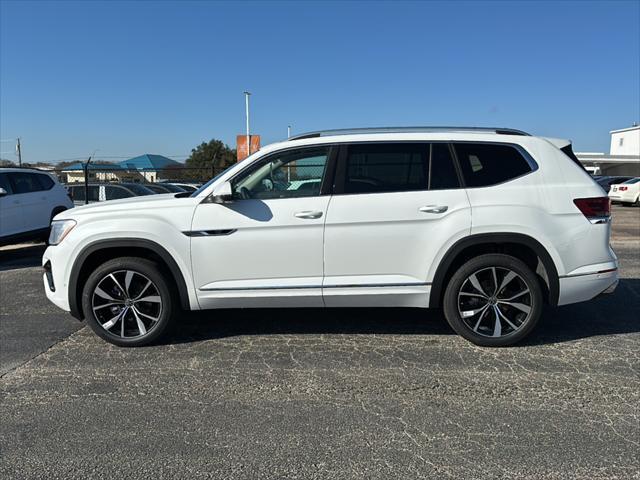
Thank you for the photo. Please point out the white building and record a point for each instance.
(625, 141)
(623, 157)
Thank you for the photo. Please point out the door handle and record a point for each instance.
(434, 208)
(308, 214)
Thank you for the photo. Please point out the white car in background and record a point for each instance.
(29, 199)
(627, 193)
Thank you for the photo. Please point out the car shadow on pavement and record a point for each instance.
(23, 257)
(609, 315)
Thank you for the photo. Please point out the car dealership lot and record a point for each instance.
(373, 393)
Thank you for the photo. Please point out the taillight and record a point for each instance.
(622, 189)
(596, 209)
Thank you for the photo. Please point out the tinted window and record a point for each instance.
(389, 167)
(77, 193)
(4, 182)
(46, 182)
(485, 164)
(114, 193)
(287, 174)
(442, 170)
(139, 189)
(25, 182)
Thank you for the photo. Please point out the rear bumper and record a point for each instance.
(583, 287)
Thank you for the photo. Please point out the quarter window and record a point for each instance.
(45, 181)
(486, 164)
(288, 174)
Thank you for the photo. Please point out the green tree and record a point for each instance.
(213, 154)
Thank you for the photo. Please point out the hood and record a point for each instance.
(163, 200)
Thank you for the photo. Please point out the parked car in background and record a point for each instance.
(606, 181)
(627, 193)
(100, 192)
(384, 220)
(164, 188)
(187, 187)
(29, 199)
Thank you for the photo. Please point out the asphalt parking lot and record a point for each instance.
(367, 393)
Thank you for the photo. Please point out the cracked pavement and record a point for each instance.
(345, 393)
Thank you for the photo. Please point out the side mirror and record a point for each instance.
(3, 192)
(222, 194)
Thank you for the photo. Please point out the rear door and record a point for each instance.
(395, 206)
(32, 200)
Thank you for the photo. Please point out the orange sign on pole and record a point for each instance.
(241, 148)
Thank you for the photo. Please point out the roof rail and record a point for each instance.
(354, 131)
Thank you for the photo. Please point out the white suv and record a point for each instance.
(489, 224)
(29, 199)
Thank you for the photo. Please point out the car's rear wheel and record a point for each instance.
(493, 300)
(127, 301)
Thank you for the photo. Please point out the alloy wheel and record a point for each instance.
(126, 304)
(494, 302)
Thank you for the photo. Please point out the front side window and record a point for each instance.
(386, 167)
(25, 182)
(288, 174)
(485, 164)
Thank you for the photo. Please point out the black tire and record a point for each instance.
(143, 271)
(637, 202)
(461, 293)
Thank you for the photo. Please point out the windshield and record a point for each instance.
(633, 180)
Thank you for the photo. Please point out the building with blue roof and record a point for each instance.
(145, 167)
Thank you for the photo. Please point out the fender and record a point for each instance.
(74, 304)
(438, 285)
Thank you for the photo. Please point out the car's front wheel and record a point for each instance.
(127, 301)
(493, 300)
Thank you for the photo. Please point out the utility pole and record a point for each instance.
(19, 152)
(86, 180)
(246, 101)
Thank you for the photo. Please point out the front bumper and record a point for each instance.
(55, 285)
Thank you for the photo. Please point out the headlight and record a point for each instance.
(59, 230)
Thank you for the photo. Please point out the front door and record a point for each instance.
(265, 248)
(394, 208)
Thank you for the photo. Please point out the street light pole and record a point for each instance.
(246, 101)
(19, 152)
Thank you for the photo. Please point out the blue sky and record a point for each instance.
(128, 78)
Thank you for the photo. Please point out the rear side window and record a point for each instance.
(25, 182)
(389, 167)
(442, 170)
(46, 182)
(485, 164)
